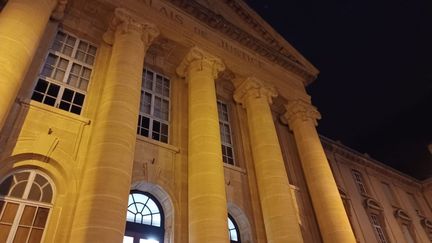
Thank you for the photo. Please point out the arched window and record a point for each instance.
(144, 219)
(25, 202)
(233, 231)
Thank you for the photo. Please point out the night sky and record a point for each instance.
(374, 89)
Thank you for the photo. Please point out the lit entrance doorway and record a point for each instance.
(144, 219)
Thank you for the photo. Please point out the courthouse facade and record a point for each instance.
(177, 121)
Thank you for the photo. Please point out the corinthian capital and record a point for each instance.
(58, 11)
(124, 22)
(199, 60)
(253, 88)
(300, 111)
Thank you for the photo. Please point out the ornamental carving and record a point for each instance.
(199, 59)
(273, 52)
(58, 11)
(123, 22)
(299, 110)
(253, 88)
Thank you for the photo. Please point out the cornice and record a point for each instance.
(367, 162)
(218, 23)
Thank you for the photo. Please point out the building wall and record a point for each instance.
(56, 142)
(394, 212)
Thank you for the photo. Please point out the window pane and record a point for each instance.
(156, 221)
(18, 189)
(35, 193)
(147, 219)
(28, 215)
(21, 235)
(41, 217)
(79, 99)
(9, 213)
(64, 106)
(35, 236)
(130, 216)
(41, 86)
(128, 239)
(47, 194)
(4, 232)
(53, 90)
(67, 95)
(148, 241)
(5, 186)
(152, 206)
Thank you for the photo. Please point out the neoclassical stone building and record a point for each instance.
(177, 121)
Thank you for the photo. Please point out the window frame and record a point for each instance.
(228, 123)
(236, 228)
(378, 227)
(24, 201)
(151, 117)
(63, 84)
(360, 183)
(144, 230)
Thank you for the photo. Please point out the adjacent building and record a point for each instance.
(143, 121)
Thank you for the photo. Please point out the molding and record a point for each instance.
(299, 110)
(125, 22)
(253, 88)
(366, 162)
(197, 56)
(220, 24)
(59, 10)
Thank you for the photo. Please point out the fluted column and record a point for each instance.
(332, 218)
(102, 202)
(22, 24)
(280, 218)
(206, 186)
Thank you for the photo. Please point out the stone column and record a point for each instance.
(206, 185)
(102, 202)
(22, 24)
(280, 218)
(332, 218)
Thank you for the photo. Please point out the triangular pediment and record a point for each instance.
(235, 19)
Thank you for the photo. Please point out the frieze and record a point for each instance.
(222, 25)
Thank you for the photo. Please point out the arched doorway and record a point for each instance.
(233, 230)
(144, 219)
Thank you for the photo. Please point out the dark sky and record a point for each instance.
(374, 89)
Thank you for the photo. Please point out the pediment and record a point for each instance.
(236, 20)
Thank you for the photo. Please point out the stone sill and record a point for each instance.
(159, 144)
(53, 110)
(235, 168)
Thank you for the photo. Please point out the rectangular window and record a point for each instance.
(153, 120)
(65, 76)
(376, 224)
(414, 203)
(389, 194)
(358, 178)
(225, 134)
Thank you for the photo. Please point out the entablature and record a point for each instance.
(178, 24)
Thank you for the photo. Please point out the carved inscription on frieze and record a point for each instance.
(175, 16)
